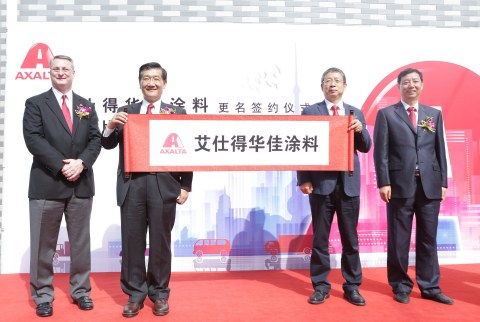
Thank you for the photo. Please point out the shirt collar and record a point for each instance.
(406, 106)
(59, 95)
(330, 104)
(157, 104)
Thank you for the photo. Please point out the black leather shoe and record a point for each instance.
(402, 297)
(160, 307)
(439, 297)
(354, 297)
(84, 303)
(44, 309)
(318, 297)
(131, 309)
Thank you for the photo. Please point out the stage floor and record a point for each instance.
(254, 296)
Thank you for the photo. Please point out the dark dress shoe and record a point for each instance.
(439, 297)
(160, 307)
(44, 309)
(84, 303)
(131, 309)
(402, 297)
(354, 297)
(318, 297)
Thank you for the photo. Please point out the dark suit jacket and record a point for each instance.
(324, 181)
(49, 140)
(398, 148)
(169, 183)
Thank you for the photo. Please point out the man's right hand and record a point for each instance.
(386, 193)
(119, 118)
(306, 188)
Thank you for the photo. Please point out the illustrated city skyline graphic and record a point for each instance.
(241, 238)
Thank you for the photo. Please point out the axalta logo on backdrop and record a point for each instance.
(36, 65)
(173, 145)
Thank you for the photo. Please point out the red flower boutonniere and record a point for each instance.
(83, 111)
(428, 124)
(167, 110)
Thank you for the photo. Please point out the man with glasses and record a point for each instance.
(147, 203)
(337, 192)
(60, 129)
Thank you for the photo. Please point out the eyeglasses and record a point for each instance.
(57, 70)
(330, 81)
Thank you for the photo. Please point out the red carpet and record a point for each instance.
(253, 296)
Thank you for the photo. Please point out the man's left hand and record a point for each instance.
(183, 197)
(356, 126)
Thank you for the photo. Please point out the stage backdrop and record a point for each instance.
(243, 220)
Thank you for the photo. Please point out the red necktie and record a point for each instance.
(150, 108)
(334, 108)
(66, 112)
(413, 118)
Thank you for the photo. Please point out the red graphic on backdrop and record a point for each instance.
(36, 64)
(454, 90)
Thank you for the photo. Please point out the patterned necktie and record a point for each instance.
(413, 118)
(66, 112)
(150, 108)
(334, 108)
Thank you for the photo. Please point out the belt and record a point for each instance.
(417, 173)
(141, 174)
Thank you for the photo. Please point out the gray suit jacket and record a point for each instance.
(169, 183)
(324, 181)
(49, 140)
(399, 148)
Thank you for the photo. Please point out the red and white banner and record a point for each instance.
(221, 143)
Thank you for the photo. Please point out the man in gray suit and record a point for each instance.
(411, 167)
(147, 202)
(337, 192)
(64, 149)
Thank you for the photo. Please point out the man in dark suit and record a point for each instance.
(147, 202)
(61, 182)
(333, 192)
(411, 168)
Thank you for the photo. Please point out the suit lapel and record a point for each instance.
(422, 114)
(400, 111)
(347, 109)
(322, 108)
(52, 103)
(135, 109)
(75, 103)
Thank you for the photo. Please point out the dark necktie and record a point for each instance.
(66, 112)
(150, 107)
(334, 108)
(413, 118)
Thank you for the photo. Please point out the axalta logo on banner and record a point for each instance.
(173, 145)
(36, 65)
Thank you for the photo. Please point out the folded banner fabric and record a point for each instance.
(170, 142)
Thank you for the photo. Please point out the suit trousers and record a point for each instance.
(45, 220)
(400, 213)
(144, 210)
(323, 208)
